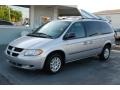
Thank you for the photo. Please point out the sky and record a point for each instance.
(88, 5)
(99, 5)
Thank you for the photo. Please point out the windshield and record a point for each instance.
(52, 29)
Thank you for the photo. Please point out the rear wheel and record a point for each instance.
(105, 53)
(54, 63)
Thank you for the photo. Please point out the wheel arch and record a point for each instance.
(108, 44)
(60, 52)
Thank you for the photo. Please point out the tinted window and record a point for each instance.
(5, 23)
(94, 28)
(105, 28)
(78, 29)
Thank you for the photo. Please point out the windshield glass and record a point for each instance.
(52, 29)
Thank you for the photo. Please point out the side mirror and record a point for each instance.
(69, 36)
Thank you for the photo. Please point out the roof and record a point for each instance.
(64, 10)
(4, 22)
(116, 11)
(48, 6)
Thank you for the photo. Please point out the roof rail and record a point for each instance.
(87, 15)
(99, 19)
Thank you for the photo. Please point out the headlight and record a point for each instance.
(33, 52)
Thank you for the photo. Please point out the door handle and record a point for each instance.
(88, 42)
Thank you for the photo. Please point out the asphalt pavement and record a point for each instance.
(85, 72)
(3, 79)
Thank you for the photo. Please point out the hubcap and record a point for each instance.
(55, 64)
(106, 53)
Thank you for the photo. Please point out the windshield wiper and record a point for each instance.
(45, 35)
(34, 35)
(40, 35)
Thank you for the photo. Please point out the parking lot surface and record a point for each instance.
(85, 72)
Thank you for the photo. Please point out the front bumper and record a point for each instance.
(32, 63)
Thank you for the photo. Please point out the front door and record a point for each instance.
(76, 47)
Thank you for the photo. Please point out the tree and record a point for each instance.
(16, 15)
(8, 14)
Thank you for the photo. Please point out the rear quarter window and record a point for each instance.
(105, 28)
(94, 28)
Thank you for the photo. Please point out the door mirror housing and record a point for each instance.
(69, 36)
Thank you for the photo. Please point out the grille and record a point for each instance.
(8, 52)
(14, 51)
(18, 49)
(10, 47)
(15, 54)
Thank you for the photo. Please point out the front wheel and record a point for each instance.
(54, 63)
(105, 53)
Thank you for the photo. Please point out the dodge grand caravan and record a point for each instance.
(59, 42)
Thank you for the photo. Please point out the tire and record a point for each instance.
(53, 64)
(105, 54)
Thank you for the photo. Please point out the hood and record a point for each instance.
(29, 42)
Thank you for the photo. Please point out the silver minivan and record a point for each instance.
(61, 41)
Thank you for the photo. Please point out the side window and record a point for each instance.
(105, 28)
(92, 28)
(77, 29)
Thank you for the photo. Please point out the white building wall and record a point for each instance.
(31, 12)
(39, 12)
(115, 19)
